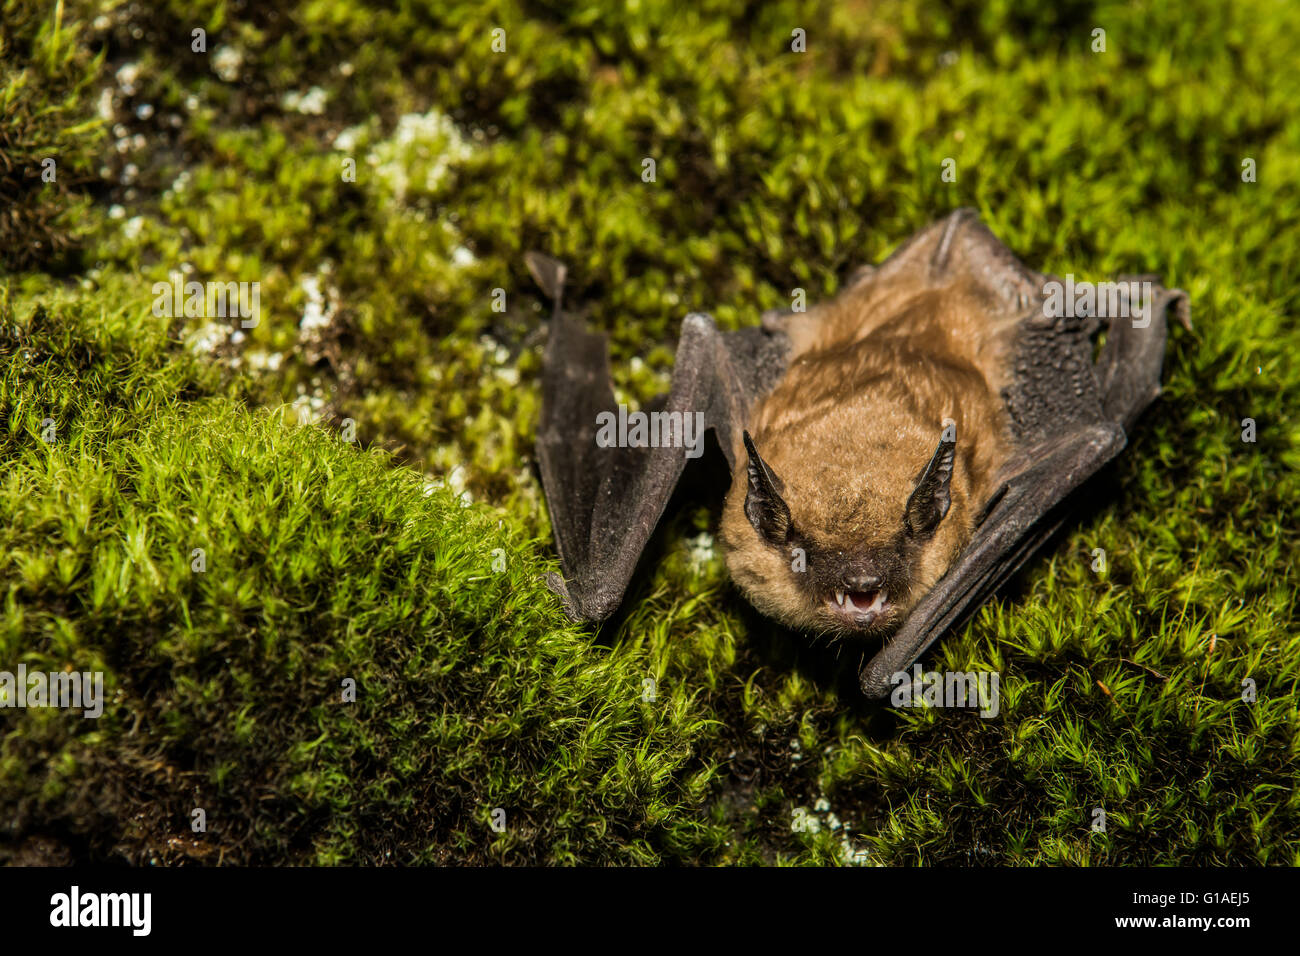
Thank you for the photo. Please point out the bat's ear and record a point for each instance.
(764, 506)
(930, 500)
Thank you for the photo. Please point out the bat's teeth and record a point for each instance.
(839, 597)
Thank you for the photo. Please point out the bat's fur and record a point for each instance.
(847, 432)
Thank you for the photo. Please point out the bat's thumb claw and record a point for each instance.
(1180, 303)
(698, 322)
(547, 272)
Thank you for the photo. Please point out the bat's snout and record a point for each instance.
(862, 582)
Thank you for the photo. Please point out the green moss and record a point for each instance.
(774, 170)
(48, 144)
(229, 570)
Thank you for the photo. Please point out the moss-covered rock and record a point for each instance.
(379, 172)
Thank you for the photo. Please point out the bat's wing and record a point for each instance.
(605, 502)
(1069, 417)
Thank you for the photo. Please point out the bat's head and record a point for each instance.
(839, 559)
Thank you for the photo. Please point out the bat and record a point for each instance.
(896, 453)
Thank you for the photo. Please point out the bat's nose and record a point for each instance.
(862, 582)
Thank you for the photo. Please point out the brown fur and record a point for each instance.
(852, 424)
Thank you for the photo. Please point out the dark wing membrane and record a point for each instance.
(605, 502)
(1069, 417)
(1025, 516)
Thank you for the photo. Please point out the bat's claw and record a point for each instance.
(548, 273)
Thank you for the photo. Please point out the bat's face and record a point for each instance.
(845, 563)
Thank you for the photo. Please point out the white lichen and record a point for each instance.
(207, 338)
(126, 76)
(420, 153)
(107, 111)
(227, 61)
(321, 307)
(702, 550)
(260, 361)
(455, 481)
(346, 141)
(311, 103)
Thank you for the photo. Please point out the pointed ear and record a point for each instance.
(764, 506)
(930, 500)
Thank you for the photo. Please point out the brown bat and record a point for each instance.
(907, 445)
(865, 490)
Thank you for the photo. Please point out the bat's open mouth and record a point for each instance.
(859, 608)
